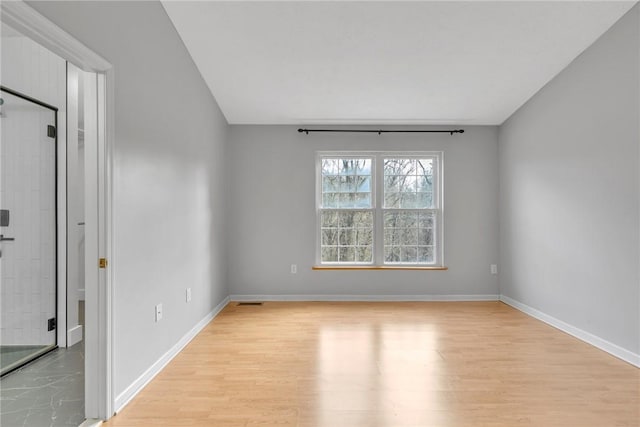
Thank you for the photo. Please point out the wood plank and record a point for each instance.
(330, 364)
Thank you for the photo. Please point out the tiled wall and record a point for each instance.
(27, 266)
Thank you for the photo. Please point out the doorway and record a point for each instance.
(28, 240)
(98, 136)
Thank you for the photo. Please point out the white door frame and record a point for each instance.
(99, 391)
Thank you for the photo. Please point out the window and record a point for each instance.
(380, 209)
(346, 217)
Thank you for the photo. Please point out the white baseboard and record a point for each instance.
(74, 335)
(130, 392)
(363, 298)
(602, 344)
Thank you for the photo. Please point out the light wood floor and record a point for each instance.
(387, 364)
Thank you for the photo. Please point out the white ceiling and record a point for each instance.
(384, 62)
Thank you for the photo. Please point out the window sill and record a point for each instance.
(374, 267)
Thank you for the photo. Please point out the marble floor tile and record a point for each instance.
(46, 392)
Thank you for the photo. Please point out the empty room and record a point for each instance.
(320, 213)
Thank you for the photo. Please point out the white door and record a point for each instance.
(28, 229)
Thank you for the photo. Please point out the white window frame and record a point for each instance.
(377, 201)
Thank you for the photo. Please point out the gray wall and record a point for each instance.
(569, 192)
(168, 177)
(271, 202)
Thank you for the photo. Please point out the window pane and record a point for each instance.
(362, 200)
(351, 219)
(391, 254)
(329, 219)
(426, 219)
(407, 183)
(364, 254)
(354, 166)
(391, 237)
(363, 184)
(364, 236)
(408, 254)
(391, 183)
(425, 236)
(347, 166)
(347, 254)
(408, 237)
(392, 200)
(329, 237)
(347, 200)
(347, 236)
(365, 167)
(424, 167)
(346, 183)
(409, 201)
(399, 166)
(425, 254)
(413, 179)
(329, 254)
(329, 167)
(425, 199)
(330, 184)
(400, 219)
(425, 183)
(330, 200)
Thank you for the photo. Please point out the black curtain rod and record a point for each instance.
(381, 131)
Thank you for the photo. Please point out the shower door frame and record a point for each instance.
(28, 98)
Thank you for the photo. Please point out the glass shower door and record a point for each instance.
(27, 229)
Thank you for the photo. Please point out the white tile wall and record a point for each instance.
(33, 70)
(27, 188)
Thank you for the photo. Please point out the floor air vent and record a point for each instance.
(249, 303)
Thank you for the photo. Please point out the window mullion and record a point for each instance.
(378, 244)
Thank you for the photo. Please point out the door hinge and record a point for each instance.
(51, 324)
(51, 131)
(102, 263)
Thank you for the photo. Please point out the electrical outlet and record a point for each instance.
(294, 268)
(158, 312)
(494, 269)
(188, 294)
